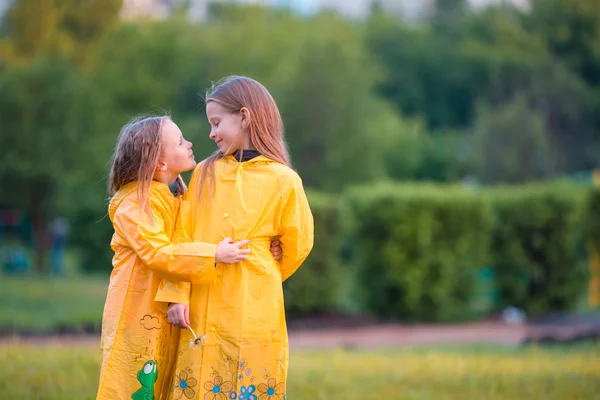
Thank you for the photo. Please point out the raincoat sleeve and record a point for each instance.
(173, 292)
(179, 292)
(193, 262)
(297, 229)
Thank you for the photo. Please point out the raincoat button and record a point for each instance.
(212, 329)
(225, 215)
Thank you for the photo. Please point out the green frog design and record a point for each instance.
(147, 376)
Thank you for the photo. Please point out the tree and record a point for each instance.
(67, 27)
(426, 74)
(49, 114)
(507, 61)
(571, 30)
(336, 127)
(512, 144)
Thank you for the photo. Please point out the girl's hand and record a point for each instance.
(229, 252)
(276, 249)
(179, 315)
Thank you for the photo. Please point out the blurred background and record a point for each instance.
(449, 149)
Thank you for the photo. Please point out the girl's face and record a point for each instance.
(226, 128)
(177, 154)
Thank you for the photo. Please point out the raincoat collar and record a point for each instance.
(257, 159)
(232, 167)
(246, 155)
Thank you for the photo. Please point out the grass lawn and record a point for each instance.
(68, 371)
(51, 304)
(65, 371)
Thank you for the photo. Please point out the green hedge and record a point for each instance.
(418, 248)
(316, 286)
(592, 231)
(592, 220)
(416, 252)
(537, 245)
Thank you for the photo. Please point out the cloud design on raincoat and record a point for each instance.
(149, 322)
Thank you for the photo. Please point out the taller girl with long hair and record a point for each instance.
(247, 189)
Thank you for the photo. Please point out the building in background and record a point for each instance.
(478, 4)
(133, 9)
(355, 9)
(4, 6)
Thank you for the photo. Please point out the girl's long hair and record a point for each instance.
(265, 127)
(138, 150)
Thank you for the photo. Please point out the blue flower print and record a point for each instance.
(247, 393)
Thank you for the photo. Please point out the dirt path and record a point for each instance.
(404, 336)
(390, 335)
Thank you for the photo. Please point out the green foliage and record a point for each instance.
(316, 286)
(511, 143)
(570, 30)
(444, 157)
(592, 223)
(69, 28)
(501, 95)
(418, 248)
(537, 244)
(51, 119)
(425, 75)
(46, 111)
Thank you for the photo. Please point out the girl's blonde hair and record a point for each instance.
(138, 149)
(265, 127)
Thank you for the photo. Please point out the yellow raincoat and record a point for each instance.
(240, 315)
(138, 344)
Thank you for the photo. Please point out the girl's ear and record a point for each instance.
(245, 113)
(161, 166)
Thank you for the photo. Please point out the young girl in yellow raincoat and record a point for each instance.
(247, 189)
(138, 343)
